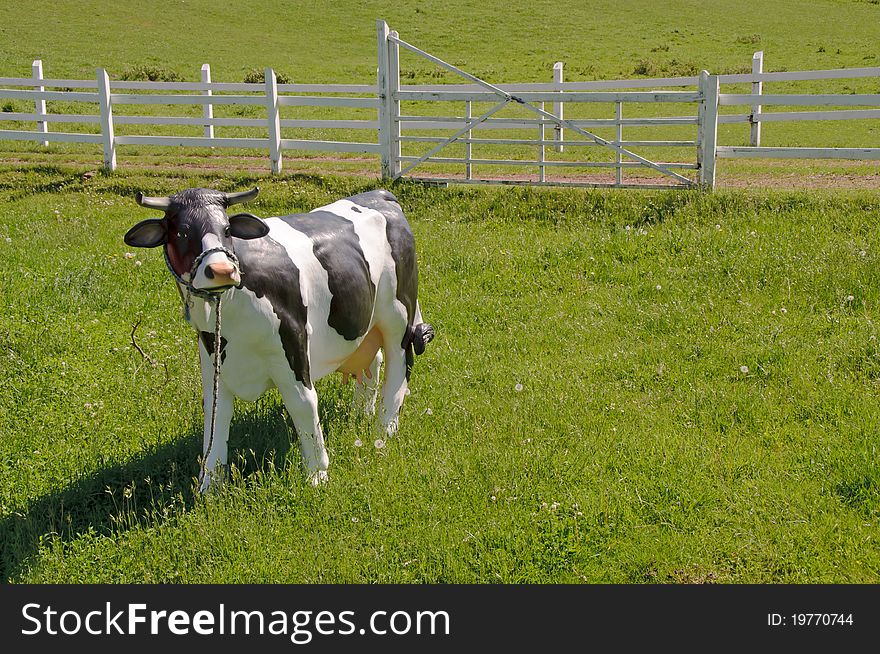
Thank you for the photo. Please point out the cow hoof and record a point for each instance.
(318, 477)
(391, 427)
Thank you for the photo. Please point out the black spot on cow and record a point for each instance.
(208, 342)
(268, 271)
(337, 247)
(403, 250)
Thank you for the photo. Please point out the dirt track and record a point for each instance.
(837, 178)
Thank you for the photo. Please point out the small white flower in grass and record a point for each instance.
(659, 287)
(850, 298)
(429, 412)
(744, 370)
(518, 388)
(783, 310)
(354, 519)
(8, 240)
(717, 226)
(862, 253)
(358, 442)
(379, 444)
(129, 255)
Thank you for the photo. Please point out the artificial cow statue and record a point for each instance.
(302, 296)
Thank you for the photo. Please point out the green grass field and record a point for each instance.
(625, 387)
(509, 41)
(501, 42)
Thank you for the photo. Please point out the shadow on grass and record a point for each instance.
(145, 490)
(47, 179)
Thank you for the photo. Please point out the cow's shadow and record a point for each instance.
(148, 488)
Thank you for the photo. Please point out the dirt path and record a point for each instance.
(367, 167)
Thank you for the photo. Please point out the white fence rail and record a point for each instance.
(400, 139)
(108, 94)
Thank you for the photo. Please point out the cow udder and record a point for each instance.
(358, 364)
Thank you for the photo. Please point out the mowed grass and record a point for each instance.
(625, 387)
(502, 41)
(506, 42)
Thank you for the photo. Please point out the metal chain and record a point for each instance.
(213, 297)
(216, 300)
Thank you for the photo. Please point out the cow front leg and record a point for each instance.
(214, 452)
(366, 390)
(302, 406)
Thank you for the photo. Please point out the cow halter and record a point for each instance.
(205, 294)
(214, 298)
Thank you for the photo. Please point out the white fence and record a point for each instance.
(407, 141)
(104, 94)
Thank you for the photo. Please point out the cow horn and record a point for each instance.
(243, 196)
(152, 203)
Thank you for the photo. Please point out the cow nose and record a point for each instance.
(221, 269)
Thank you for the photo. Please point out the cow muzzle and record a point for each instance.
(215, 270)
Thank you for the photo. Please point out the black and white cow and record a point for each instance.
(302, 296)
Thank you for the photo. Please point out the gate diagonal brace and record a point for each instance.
(454, 138)
(508, 98)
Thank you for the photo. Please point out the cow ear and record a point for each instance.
(247, 226)
(147, 234)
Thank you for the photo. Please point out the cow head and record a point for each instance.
(195, 226)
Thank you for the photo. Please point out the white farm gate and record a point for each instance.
(559, 133)
(531, 100)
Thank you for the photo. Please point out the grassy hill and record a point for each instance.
(505, 41)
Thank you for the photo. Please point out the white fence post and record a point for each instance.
(274, 119)
(394, 104)
(42, 125)
(208, 111)
(469, 147)
(707, 136)
(557, 106)
(542, 135)
(106, 120)
(385, 100)
(757, 89)
(618, 116)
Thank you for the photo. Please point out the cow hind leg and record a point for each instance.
(399, 359)
(302, 406)
(394, 388)
(366, 391)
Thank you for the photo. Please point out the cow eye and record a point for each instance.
(226, 231)
(182, 235)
